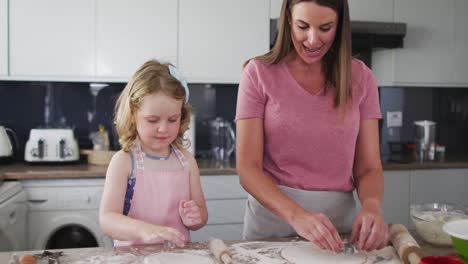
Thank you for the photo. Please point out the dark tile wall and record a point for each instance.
(448, 107)
(210, 101)
(451, 115)
(24, 105)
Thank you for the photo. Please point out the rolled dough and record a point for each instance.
(306, 252)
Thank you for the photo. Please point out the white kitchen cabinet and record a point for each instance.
(461, 42)
(225, 199)
(224, 232)
(395, 205)
(217, 36)
(443, 186)
(226, 211)
(362, 10)
(427, 58)
(130, 32)
(51, 38)
(3, 37)
(371, 10)
(275, 8)
(427, 55)
(216, 187)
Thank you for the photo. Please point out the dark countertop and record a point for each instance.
(83, 253)
(23, 170)
(451, 162)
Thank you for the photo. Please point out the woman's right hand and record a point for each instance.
(155, 234)
(316, 228)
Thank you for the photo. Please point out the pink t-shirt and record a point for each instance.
(307, 145)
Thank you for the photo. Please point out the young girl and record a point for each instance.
(152, 191)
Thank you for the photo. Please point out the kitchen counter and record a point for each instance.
(23, 170)
(128, 252)
(451, 162)
(207, 167)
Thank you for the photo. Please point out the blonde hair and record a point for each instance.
(150, 78)
(337, 61)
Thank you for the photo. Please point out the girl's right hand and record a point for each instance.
(155, 234)
(318, 229)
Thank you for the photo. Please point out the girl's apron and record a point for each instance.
(339, 207)
(153, 196)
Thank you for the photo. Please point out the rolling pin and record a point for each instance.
(220, 251)
(407, 248)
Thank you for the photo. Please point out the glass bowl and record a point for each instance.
(428, 219)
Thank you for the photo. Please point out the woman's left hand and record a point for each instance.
(369, 230)
(190, 213)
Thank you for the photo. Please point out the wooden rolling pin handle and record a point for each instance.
(226, 258)
(407, 248)
(220, 251)
(414, 258)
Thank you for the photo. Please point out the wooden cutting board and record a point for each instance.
(98, 157)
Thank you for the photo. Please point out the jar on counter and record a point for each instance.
(431, 152)
(440, 153)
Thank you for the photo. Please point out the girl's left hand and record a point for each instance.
(190, 213)
(369, 229)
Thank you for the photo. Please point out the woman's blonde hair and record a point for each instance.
(337, 61)
(150, 78)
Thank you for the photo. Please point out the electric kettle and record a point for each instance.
(6, 148)
(222, 138)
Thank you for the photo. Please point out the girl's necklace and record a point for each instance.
(156, 157)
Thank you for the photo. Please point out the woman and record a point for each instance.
(307, 133)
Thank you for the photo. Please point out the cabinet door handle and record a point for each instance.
(36, 201)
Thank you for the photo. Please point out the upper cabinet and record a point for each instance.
(461, 42)
(434, 52)
(371, 10)
(275, 8)
(107, 40)
(3, 37)
(51, 38)
(427, 55)
(362, 10)
(130, 32)
(217, 36)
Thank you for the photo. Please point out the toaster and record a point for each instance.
(51, 145)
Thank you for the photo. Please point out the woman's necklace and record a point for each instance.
(156, 157)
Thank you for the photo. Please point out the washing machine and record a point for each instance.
(63, 213)
(13, 215)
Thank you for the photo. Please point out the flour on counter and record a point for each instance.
(105, 258)
(257, 252)
(305, 252)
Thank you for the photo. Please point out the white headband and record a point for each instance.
(178, 75)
